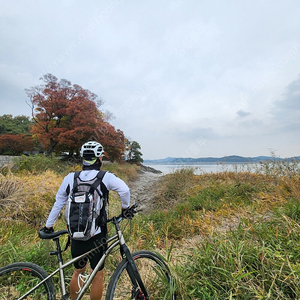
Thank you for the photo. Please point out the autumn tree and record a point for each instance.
(15, 144)
(112, 140)
(64, 115)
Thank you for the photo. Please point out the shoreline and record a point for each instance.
(142, 190)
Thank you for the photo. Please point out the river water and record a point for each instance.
(204, 168)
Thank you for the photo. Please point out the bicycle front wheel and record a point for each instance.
(154, 273)
(18, 278)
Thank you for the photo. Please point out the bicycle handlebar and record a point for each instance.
(131, 212)
(47, 236)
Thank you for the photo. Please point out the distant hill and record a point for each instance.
(225, 159)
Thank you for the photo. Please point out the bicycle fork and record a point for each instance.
(138, 287)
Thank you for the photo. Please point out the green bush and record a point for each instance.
(40, 163)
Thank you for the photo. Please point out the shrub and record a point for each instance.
(40, 163)
(173, 187)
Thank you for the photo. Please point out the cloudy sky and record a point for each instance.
(184, 78)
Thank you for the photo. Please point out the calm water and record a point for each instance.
(204, 168)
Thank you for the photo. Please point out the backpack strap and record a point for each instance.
(75, 184)
(98, 182)
(103, 187)
(101, 220)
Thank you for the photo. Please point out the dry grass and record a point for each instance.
(190, 205)
(28, 198)
(238, 231)
(234, 235)
(126, 172)
(8, 187)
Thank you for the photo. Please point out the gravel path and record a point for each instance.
(142, 190)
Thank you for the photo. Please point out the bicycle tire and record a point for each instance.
(155, 275)
(18, 278)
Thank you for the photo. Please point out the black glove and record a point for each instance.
(47, 230)
(127, 213)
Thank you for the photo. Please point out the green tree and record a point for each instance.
(15, 125)
(15, 137)
(134, 154)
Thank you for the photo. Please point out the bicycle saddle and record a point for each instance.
(53, 235)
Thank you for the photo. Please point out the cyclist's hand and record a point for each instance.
(47, 230)
(127, 213)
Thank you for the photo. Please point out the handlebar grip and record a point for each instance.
(131, 208)
(135, 205)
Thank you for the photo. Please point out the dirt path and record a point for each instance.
(142, 190)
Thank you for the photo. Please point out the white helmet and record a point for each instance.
(91, 149)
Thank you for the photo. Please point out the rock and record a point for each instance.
(149, 169)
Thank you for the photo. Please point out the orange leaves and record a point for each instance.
(113, 140)
(65, 114)
(16, 143)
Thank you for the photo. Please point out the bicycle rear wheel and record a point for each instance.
(155, 275)
(18, 278)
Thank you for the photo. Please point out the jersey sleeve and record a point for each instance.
(114, 183)
(60, 199)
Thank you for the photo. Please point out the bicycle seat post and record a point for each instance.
(58, 250)
(58, 253)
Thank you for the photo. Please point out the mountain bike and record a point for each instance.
(140, 275)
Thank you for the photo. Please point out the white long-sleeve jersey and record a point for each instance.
(111, 181)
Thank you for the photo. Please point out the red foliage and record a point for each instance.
(65, 115)
(16, 144)
(113, 140)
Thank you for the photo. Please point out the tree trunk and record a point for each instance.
(51, 147)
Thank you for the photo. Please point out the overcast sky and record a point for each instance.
(184, 78)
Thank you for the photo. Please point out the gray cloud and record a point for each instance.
(286, 112)
(242, 113)
(172, 72)
(291, 97)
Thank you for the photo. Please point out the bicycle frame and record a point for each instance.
(115, 240)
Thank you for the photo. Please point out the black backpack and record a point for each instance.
(86, 208)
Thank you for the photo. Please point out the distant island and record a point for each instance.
(226, 159)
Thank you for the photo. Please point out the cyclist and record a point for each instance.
(91, 153)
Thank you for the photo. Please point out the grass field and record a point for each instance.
(228, 235)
